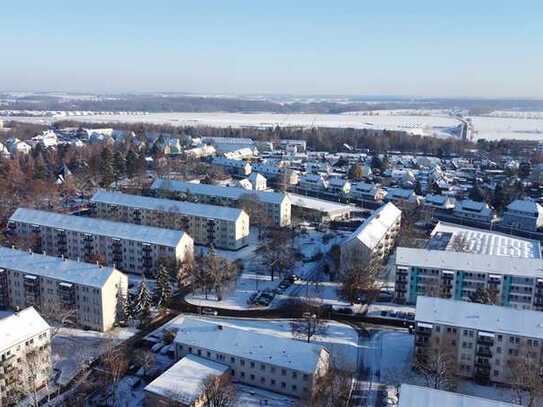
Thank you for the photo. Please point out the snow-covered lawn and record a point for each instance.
(341, 340)
(71, 348)
(256, 275)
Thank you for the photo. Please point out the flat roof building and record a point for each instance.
(418, 396)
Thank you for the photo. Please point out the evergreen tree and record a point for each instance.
(418, 188)
(476, 193)
(164, 288)
(119, 165)
(107, 172)
(144, 301)
(131, 164)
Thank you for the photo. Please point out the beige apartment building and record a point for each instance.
(223, 227)
(25, 355)
(485, 339)
(374, 239)
(276, 204)
(128, 247)
(281, 365)
(82, 293)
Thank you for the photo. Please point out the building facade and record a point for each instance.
(513, 281)
(83, 294)
(224, 228)
(484, 340)
(25, 355)
(373, 240)
(130, 248)
(523, 215)
(276, 364)
(275, 204)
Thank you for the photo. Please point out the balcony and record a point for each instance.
(484, 351)
(485, 341)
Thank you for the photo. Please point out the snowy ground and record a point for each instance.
(427, 123)
(256, 275)
(73, 347)
(340, 339)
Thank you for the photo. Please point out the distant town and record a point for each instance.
(146, 264)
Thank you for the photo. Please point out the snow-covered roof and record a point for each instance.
(437, 200)
(252, 345)
(168, 205)
(472, 206)
(364, 187)
(371, 232)
(184, 380)
(482, 317)
(417, 396)
(481, 241)
(475, 263)
(20, 327)
(56, 268)
(119, 230)
(214, 190)
(230, 162)
(256, 177)
(526, 206)
(320, 205)
(399, 193)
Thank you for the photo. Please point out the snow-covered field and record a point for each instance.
(518, 126)
(73, 348)
(341, 340)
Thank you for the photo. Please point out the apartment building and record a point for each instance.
(238, 168)
(402, 198)
(418, 396)
(523, 214)
(373, 240)
(223, 227)
(362, 191)
(25, 355)
(84, 293)
(130, 248)
(485, 339)
(514, 281)
(313, 183)
(270, 362)
(318, 210)
(276, 204)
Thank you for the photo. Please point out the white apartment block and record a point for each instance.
(270, 362)
(374, 239)
(417, 396)
(485, 339)
(223, 227)
(130, 248)
(276, 204)
(86, 294)
(474, 211)
(25, 355)
(516, 281)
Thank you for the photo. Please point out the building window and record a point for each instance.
(252, 377)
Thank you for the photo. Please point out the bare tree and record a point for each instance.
(146, 360)
(525, 375)
(436, 362)
(278, 252)
(485, 295)
(115, 365)
(311, 323)
(358, 282)
(218, 391)
(34, 372)
(331, 390)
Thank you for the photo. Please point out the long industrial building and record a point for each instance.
(223, 227)
(515, 281)
(130, 248)
(25, 355)
(276, 204)
(485, 339)
(85, 294)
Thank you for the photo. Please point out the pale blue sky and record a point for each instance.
(423, 48)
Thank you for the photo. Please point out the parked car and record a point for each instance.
(210, 311)
(345, 310)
